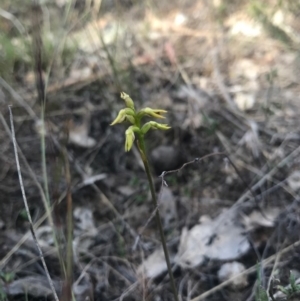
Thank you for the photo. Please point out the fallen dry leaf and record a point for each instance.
(79, 136)
(220, 239)
(154, 265)
(35, 286)
(85, 231)
(258, 219)
(251, 139)
(79, 133)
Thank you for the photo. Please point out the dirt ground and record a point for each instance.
(227, 72)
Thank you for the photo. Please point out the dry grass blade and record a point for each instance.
(27, 208)
(18, 98)
(7, 15)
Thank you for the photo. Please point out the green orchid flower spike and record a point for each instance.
(139, 130)
(134, 117)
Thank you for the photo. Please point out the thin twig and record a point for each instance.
(27, 208)
(201, 159)
(188, 163)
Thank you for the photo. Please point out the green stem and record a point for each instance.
(43, 151)
(142, 149)
(69, 252)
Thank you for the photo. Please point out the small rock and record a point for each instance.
(126, 190)
(83, 291)
(244, 101)
(166, 158)
(294, 180)
(233, 269)
(154, 265)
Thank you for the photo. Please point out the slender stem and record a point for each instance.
(69, 252)
(43, 151)
(27, 208)
(141, 144)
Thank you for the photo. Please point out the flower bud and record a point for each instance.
(128, 101)
(123, 114)
(154, 125)
(130, 137)
(152, 112)
(160, 126)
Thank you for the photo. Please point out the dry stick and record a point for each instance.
(246, 272)
(162, 176)
(26, 205)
